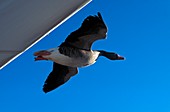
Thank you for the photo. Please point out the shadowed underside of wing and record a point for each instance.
(93, 28)
(59, 75)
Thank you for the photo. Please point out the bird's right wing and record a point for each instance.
(59, 75)
(93, 28)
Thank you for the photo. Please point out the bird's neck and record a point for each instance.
(109, 55)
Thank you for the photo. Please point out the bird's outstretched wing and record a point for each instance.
(59, 75)
(93, 28)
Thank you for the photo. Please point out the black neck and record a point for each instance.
(109, 55)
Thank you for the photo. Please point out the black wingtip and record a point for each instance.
(45, 91)
(99, 15)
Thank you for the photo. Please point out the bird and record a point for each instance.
(75, 52)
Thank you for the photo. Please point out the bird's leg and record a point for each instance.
(39, 55)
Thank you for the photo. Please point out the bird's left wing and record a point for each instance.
(93, 28)
(59, 75)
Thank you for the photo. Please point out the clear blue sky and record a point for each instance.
(138, 30)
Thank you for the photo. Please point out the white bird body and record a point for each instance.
(88, 58)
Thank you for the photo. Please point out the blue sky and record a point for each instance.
(138, 30)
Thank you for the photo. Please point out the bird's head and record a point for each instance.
(111, 55)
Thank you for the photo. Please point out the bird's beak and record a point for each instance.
(121, 57)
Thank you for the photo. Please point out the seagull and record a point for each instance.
(75, 52)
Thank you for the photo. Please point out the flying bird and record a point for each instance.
(75, 52)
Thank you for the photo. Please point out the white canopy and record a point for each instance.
(24, 22)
